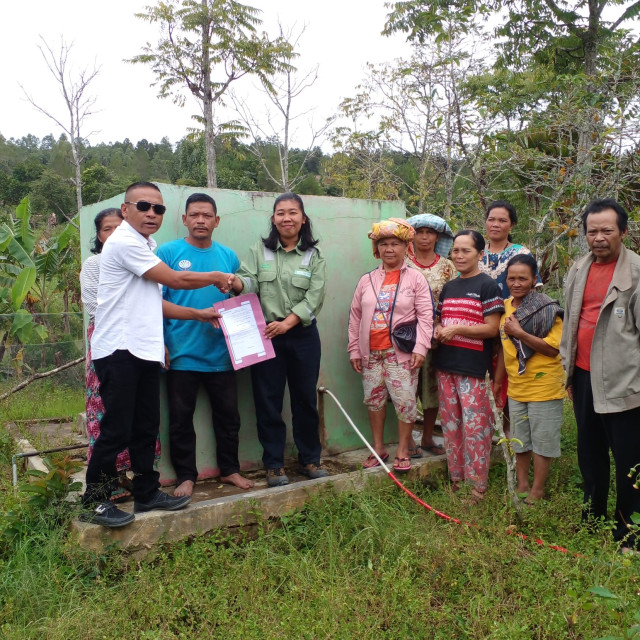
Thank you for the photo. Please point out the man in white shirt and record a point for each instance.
(128, 353)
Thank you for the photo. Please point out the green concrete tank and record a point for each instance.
(341, 225)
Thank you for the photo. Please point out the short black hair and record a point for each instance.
(601, 204)
(478, 240)
(201, 197)
(141, 184)
(97, 221)
(306, 239)
(503, 204)
(524, 258)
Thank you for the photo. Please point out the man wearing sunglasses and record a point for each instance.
(128, 353)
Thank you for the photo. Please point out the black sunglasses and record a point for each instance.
(143, 205)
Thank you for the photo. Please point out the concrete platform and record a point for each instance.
(219, 506)
(233, 508)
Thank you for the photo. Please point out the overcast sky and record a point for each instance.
(341, 36)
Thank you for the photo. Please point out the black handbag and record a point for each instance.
(404, 335)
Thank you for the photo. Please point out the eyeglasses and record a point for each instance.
(143, 205)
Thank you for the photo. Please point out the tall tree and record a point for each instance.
(79, 103)
(207, 45)
(279, 129)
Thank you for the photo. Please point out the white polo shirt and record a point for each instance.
(129, 313)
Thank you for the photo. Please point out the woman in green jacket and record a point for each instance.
(287, 270)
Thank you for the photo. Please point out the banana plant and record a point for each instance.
(27, 266)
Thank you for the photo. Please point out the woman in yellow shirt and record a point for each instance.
(530, 332)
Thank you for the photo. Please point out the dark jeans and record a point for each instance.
(222, 389)
(597, 432)
(297, 362)
(130, 391)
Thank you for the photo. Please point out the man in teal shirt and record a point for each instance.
(198, 353)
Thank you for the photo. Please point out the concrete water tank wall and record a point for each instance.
(341, 225)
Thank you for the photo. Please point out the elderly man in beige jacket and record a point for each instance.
(600, 351)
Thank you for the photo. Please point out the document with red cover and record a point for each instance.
(243, 325)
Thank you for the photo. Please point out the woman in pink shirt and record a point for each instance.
(386, 298)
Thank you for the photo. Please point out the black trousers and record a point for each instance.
(297, 363)
(130, 391)
(597, 433)
(222, 389)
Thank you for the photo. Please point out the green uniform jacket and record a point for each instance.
(286, 281)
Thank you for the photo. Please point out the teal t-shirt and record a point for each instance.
(194, 345)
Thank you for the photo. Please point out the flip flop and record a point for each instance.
(402, 464)
(434, 450)
(415, 452)
(372, 461)
(120, 495)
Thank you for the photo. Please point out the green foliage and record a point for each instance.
(51, 193)
(47, 505)
(51, 487)
(31, 267)
(98, 184)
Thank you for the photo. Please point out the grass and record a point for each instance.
(42, 399)
(366, 565)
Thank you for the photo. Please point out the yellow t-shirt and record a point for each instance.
(544, 377)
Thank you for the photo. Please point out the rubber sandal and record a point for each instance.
(435, 450)
(402, 464)
(120, 495)
(372, 461)
(415, 452)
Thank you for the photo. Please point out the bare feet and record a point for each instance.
(474, 498)
(184, 488)
(236, 479)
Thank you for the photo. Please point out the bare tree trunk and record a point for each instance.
(77, 161)
(448, 173)
(210, 145)
(207, 106)
(507, 450)
(285, 142)
(423, 173)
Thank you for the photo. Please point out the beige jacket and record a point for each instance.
(615, 352)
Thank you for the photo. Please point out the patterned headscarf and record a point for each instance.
(445, 235)
(392, 228)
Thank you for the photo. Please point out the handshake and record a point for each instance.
(224, 282)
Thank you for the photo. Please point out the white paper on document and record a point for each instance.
(243, 332)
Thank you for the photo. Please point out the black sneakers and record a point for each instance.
(161, 501)
(107, 515)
